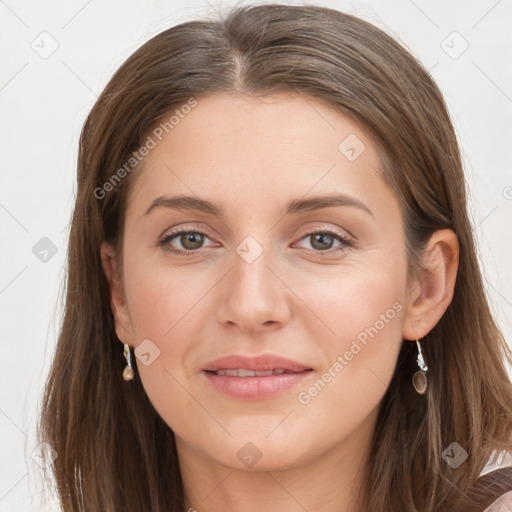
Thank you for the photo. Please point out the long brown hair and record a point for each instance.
(114, 451)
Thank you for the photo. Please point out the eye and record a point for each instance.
(323, 241)
(190, 241)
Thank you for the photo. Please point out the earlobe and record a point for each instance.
(118, 303)
(432, 291)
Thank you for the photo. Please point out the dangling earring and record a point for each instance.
(128, 371)
(419, 379)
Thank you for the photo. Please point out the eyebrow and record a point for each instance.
(191, 203)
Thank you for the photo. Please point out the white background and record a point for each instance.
(43, 105)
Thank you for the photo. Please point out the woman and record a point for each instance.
(271, 228)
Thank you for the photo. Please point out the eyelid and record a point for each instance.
(342, 233)
(184, 227)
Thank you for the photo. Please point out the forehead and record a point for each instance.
(241, 149)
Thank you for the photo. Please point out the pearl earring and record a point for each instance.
(419, 380)
(128, 371)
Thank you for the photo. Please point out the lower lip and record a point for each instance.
(256, 388)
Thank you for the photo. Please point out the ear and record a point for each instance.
(432, 289)
(117, 296)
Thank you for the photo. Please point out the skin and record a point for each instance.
(252, 156)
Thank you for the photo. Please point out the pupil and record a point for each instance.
(321, 238)
(195, 239)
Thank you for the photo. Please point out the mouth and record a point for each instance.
(255, 378)
(261, 363)
(242, 372)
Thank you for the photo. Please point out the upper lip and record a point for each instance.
(262, 363)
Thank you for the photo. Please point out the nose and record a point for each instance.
(253, 296)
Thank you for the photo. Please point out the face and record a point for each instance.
(264, 270)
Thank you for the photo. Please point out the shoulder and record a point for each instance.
(502, 504)
(492, 492)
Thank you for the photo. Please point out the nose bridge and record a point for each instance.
(252, 278)
(254, 296)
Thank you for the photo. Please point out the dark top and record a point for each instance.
(488, 489)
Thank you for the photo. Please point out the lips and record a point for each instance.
(262, 363)
(255, 378)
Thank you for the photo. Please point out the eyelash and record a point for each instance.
(184, 252)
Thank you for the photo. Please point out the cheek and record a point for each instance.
(161, 299)
(165, 306)
(352, 303)
(363, 311)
